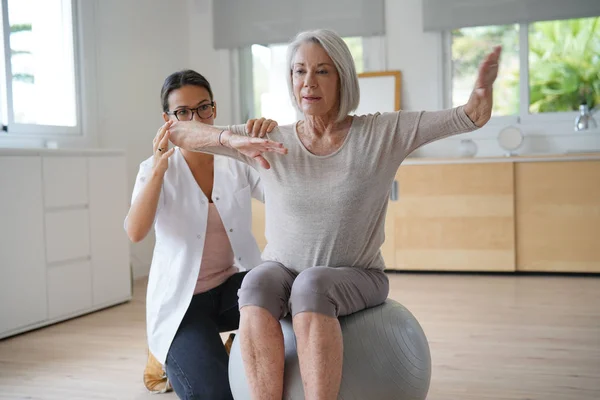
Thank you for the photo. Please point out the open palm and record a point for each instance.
(255, 148)
(479, 107)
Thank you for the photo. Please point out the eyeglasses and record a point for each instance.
(204, 111)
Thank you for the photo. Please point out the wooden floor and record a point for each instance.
(491, 337)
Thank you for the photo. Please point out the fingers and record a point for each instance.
(262, 161)
(269, 145)
(168, 153)
(488, 69)
(249, 126)
(160, 134)
(163, 145)
(161, 131)
(279, 150)
(258, 128)
(161, 159)
(498, 51)
(266, 127)
(272, 125)
(157, 137)
(265, 142)
(494, 56)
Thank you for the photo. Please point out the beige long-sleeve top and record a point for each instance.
(330, 210)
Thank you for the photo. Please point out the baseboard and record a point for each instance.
(66, 317)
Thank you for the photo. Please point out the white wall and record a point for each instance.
(415, 54)
(138, 43)
(215, 65)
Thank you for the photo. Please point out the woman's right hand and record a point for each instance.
(254, 147)
(260, 127)
(161, 154)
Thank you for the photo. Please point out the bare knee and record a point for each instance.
(256, 315)
(259, 321)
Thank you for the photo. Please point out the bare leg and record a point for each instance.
(261, 343)
(320, 352)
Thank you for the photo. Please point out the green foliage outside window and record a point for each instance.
(564, 64)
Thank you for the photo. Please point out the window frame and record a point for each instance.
(12, 129)
(523, 117)
(374, 59)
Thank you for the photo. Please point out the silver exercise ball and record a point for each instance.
(386, 357)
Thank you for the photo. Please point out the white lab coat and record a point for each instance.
(180, 227)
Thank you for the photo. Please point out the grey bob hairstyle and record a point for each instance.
(336, 48)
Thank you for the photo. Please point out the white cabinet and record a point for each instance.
(63, 251)
(67, 235)
(110, 246)
(22, 259)
(69, 288)
(65, 181)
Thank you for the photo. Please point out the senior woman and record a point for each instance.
(326, 179)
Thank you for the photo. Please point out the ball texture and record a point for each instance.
(386, 357)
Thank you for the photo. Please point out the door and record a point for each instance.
(22, 254)
(111, 272)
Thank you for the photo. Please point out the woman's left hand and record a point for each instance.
(260, 127)
(479, 106)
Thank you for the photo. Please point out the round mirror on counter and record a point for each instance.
(467, 148)
(510, 139)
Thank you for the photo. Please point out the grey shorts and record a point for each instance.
(331, 291)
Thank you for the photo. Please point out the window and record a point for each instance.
(558, 61)
(469, 46)
(38, 79)
(564, 64)
(269, 86)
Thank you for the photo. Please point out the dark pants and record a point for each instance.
(197, 361)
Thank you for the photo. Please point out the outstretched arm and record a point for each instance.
(412, 129)
(196, 136)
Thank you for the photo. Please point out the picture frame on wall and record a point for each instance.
(380, 91)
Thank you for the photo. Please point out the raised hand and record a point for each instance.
(260, 127)
(160, 145)
(479, 106)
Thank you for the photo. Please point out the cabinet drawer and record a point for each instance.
(69, 288)
(65, 181)
(67, 235)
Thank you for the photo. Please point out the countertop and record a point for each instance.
(71, 152)
(408, 161)
(519, 158)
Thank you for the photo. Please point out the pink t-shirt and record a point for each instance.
(217, 259)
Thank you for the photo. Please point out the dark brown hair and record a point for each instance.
(179, 79)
